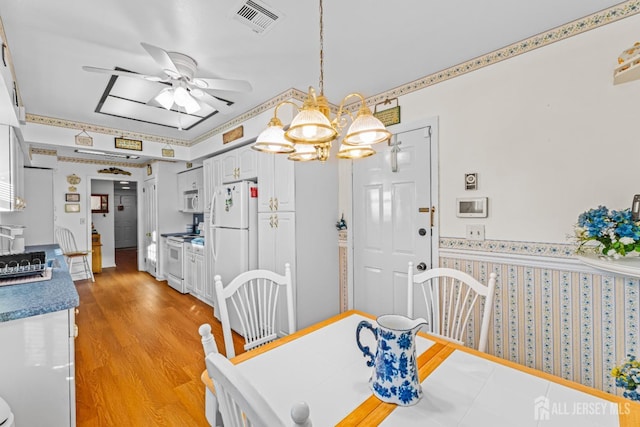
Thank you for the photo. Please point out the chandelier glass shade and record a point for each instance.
(272, 139)
(312, 130)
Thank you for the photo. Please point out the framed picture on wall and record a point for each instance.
(72, 207)
(72, 197)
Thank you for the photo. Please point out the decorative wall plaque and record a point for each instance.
(390, 116)
(128, 144)
(168, 152)
(73, 179)
(232, 135)
(115, 171)
(84, 140)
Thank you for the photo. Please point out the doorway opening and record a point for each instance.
(114, 219)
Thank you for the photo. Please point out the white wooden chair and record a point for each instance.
(241, 404)
(254, 296)
(211, 410)
(449, 296)
(64, 237)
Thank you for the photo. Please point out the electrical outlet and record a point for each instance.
(475, 232)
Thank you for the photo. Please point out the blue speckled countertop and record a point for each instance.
(31, 299)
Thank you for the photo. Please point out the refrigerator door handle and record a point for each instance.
(212, 216)
(214, 243)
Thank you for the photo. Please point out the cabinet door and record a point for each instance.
(189, 271)
(283, 183)
(229, 163)
(265, 181)
(212, 175)
(247, 162)
(198, 280)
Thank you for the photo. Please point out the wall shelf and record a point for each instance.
(629, 266)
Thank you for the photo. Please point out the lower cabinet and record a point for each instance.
(37, 373)
(195, 275)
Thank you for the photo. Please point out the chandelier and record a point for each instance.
(312, 130)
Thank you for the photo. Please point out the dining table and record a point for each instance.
(323, 366)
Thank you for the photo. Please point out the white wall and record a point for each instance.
(80, 223)
(547, 132)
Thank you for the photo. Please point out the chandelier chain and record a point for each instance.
(321, 86)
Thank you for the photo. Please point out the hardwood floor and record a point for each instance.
(138, 351)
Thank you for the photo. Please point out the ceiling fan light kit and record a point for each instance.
(313, 130)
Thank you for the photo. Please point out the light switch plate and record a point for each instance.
(475, 232)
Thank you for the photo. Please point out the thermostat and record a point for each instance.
(471, 207)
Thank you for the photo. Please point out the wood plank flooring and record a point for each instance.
(138, 351)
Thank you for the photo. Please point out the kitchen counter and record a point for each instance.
(35, 298)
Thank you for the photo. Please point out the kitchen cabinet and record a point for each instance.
(39, 351)
(304, 237)
(239, 164)
(191, 179)
(11, 170)
(189, 190)
(212, 179)
(276, 187)
(194, 271)
(9, 114)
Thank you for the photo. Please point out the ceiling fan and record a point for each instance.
(187, 91)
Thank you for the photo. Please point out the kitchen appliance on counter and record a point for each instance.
(176, 245)
(233, 233)
(11, 240)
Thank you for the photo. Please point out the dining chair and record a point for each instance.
(241, 404)
(449, 297)
(254, 296)
(64, 237)
(211, 410)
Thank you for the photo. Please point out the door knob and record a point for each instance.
(422, 231)
(422, 266)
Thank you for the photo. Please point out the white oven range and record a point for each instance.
(175, 260)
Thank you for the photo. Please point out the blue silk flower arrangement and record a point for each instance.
(615, 232)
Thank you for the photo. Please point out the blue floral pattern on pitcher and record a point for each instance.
(394, 378)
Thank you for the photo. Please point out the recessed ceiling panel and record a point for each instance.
(127, 98)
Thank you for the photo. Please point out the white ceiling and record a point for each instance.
(370, 46)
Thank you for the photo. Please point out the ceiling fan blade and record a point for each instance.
(223, 84)
(122, 73)
(161, 57)
(212, 101)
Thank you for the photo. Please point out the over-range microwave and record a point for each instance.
(191, 201)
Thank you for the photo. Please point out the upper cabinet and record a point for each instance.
(239, 164)
(8, 89)
(212, 178)
(11, 171)
(277, 183)
(191, 179)
(190, 190)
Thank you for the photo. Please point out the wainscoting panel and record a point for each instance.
(552, 313)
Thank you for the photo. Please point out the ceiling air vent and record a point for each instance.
(257, 15)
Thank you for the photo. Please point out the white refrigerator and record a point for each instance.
(233, 232)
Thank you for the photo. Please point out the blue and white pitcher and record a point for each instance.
(395, 373)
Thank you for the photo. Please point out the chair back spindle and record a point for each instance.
(450, 297)
(254, 296)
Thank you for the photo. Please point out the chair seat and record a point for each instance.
(76, 254)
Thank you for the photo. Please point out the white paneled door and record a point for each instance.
(392, 220)
(150, 226)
